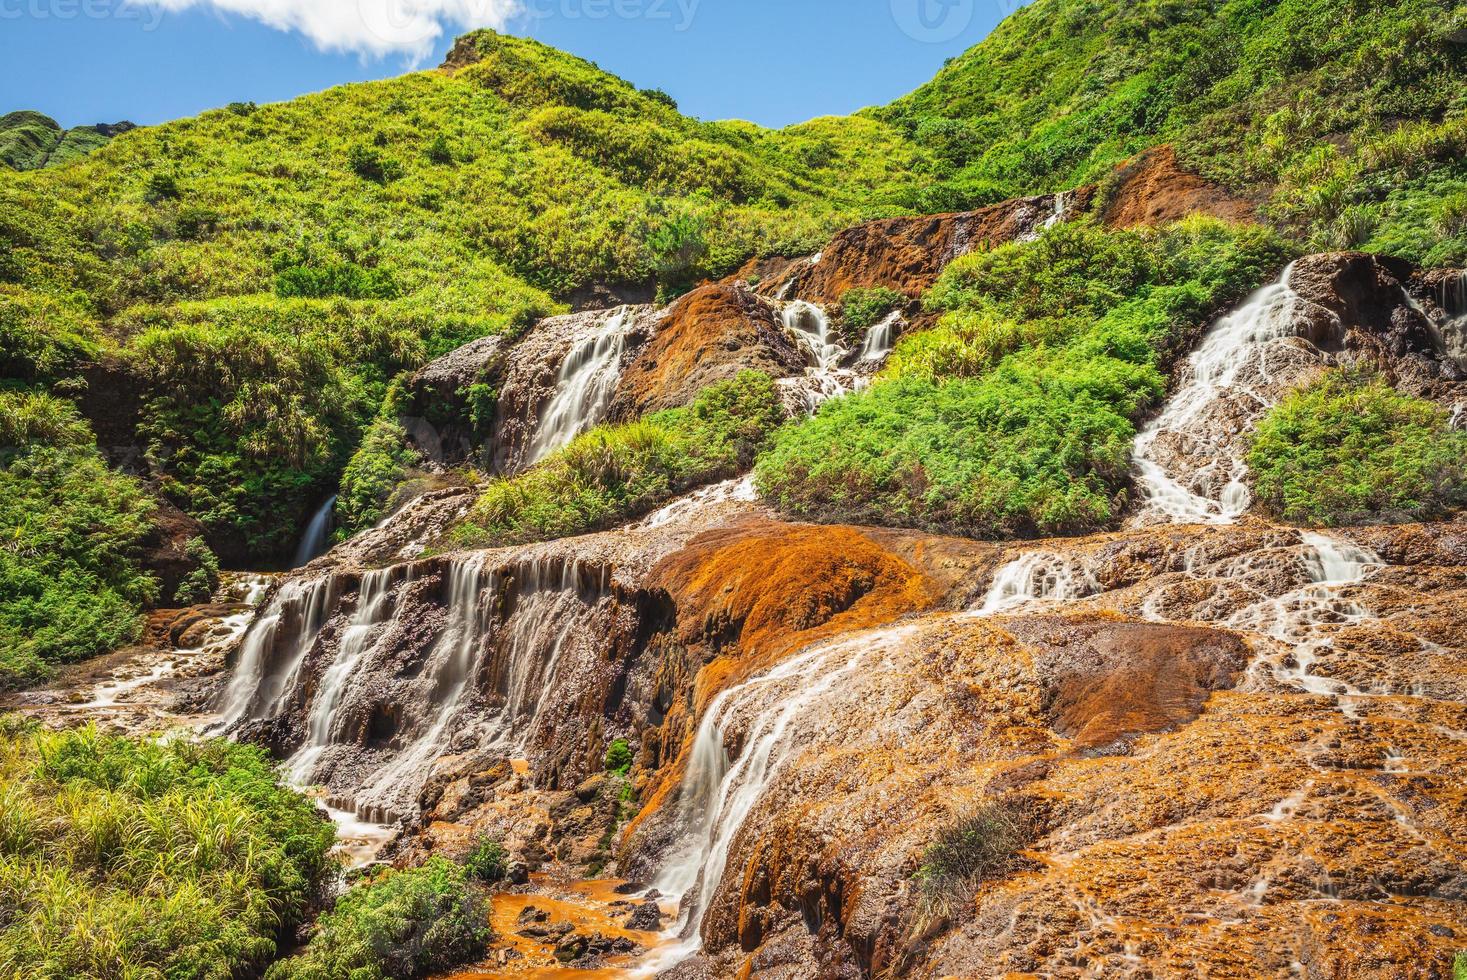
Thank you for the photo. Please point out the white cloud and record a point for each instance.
(372, 27)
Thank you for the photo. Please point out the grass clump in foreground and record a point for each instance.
(1349, 449)
(615, 472)
(971, 849)
(128, 858)
(1017, 412)
(402, 924)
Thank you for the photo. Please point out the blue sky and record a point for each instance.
(86, 61)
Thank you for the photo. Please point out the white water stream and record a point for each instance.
(587, 382)
(1232, 362)
(1038, 576)
(313, 540)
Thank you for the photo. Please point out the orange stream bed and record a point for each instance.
(586, 905)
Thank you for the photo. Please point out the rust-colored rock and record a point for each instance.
(707, 336)
(908, 254)
(1154, 189)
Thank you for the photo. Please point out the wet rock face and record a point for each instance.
(1369, 312)
(437, 411)
(906, 254)
(1202, 798)
(535, 365)
(1154, 189)
(707, 336)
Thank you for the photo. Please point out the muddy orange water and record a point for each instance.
(589, 907)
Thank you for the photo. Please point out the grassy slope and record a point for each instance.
(1351, 118)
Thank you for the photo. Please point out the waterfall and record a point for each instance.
(313, 541)
(587, 382)
(738, 489)
(1233, 354)
(373, 609)
(807, 325)
(1035, 576)
(259, 685)
(880, 339)
(717, 794)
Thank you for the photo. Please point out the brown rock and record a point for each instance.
(1153, 189)
(707, 336)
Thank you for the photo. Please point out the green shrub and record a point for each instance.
(201, 583)
(1016, 414)
(71, 581)
(381, 464)
(121, 857)
(369, 164)
(1459, 967)
(400, 925)
(971, 850)
(1348, 449)
(614, 473)
(863, 308)
(488, 861)
(619, 757)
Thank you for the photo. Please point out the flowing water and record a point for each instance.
(1189, 459)
(587, 382)
(824, 379)
(717, 793)
(264, 678)
(313, 540)
(880, 339)
(1038, 576)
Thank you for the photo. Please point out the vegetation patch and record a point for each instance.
(126, 858)
(1016, 414)
(1349, 449)
(617, 472)
(399, 925)
(380, 465)
(972, 849)
(71, 537)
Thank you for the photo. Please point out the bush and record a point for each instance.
(619, 757)
(1459, 967)
(201, 583)
(1348, 449)
(614, 473)
(488, 861)
(71, 581)
(402, 924)
(971, 850)
(1016, 414)
(121, 857)
(380, 465)
(863, 308)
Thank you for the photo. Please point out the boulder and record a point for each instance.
(707, 336)
(438, 408)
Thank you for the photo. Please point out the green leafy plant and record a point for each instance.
(400, 925)
(619, 757)
(863, 308)
(1348, 449)
(487, 861)
(201, 583)
(123, 857)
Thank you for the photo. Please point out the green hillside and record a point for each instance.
(30, 140)
(252, 280)
(1348, 119)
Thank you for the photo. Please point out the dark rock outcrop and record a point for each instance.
(447, 405)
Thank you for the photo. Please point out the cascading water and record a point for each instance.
(809, 327)
(374, 607)
(880, 339)
(717, 794)
(1233, 363)
(313, 540)
(262, 681)
(587, 382)
(1038, 575)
